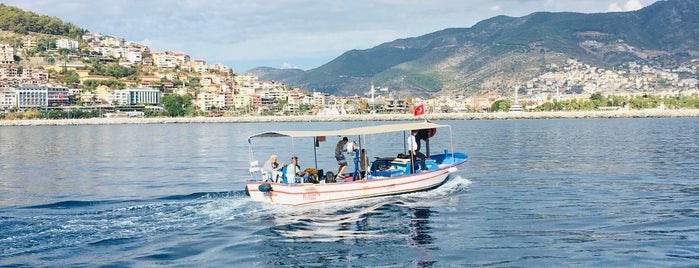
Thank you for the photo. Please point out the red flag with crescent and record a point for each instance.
(420, 109)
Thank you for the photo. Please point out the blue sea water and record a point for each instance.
(551, 193)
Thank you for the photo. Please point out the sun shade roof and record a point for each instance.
(349, 131)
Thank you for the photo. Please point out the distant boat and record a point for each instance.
(386, 175)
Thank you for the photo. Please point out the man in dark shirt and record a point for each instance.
(423, 134)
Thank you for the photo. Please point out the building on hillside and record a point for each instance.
(318, 99)
(396, 106)
(240, 101)
(94, 36)
(147, 80)
(206, 81)
(35, 74)
(163, 60)
(32, 96)
(7, 53)
(220, 67)
(206, 100)
(67, 43)
(8, 99)
(134, 96)
(8, 72)
(198, 66)
(102, 94)
(169, 59)
(29, 42)
(57, 95)
(133, 56)
(113, 41)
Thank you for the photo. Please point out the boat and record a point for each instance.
(386, 175)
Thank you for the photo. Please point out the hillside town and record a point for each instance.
(124, 78)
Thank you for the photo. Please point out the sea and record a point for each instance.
(533, 193)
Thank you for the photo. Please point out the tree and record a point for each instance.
(20, 21)
(501, 106)
(68, 78)
(176, 105)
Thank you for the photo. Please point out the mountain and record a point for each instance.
(503, 50)
(276, 74)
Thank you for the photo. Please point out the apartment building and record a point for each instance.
(32, 96)
(8, 99)
(133, 96)
(67, 43)
(7, 53)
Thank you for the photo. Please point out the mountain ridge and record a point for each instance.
(503, 50)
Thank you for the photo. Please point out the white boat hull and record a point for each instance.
(309, 193)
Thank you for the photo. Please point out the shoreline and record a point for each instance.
(648, 113)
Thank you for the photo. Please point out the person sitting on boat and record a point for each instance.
(271, 168)
(340, 157)
(293, 172)
(412, 147)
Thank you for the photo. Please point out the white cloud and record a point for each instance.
(495, 8)
(287, 65)
(614, 7)
(631, 5)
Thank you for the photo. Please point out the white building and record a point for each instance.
(67, 44)
(7, 53)
(134, 56)
(133, 96)
(31, 96)
(8, 99)
(206, 100)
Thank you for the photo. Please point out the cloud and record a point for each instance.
(287, 65)
(631, 5)
(614, 7)
(495, 8)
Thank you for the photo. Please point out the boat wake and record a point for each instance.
(54, 230)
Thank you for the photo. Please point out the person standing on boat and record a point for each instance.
(294, 173)
(412, 147)
(423, 134)
(340, 157)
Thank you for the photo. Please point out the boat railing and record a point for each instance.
(255, 171)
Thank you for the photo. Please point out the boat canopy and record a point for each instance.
(349, 131)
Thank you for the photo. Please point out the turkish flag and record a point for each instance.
(420, 109)
(319, 139)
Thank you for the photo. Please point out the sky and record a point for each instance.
(305, 34)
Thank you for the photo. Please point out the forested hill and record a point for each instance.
(22, 22)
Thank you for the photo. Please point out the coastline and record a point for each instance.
(648, 113)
